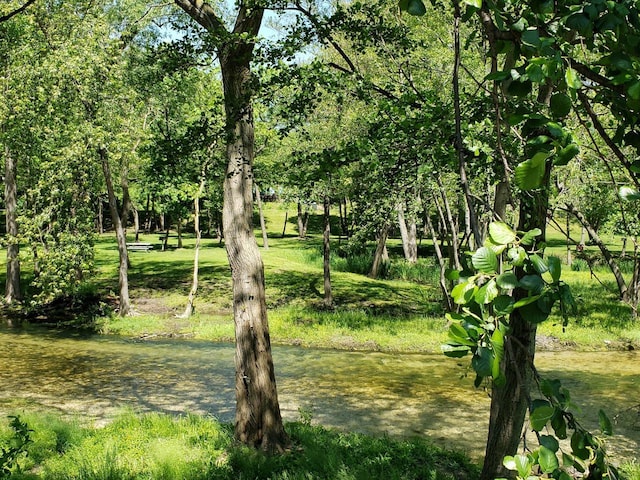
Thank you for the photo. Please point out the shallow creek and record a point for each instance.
(399, 394)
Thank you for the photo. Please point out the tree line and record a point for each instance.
(433, 119)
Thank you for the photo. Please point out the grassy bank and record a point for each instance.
(161, 447)
(402, 312)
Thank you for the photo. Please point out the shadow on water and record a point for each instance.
(403, 395)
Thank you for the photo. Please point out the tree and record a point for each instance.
(258, 420)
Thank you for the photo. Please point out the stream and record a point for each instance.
(428, 395)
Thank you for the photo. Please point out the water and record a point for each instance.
(398, 394)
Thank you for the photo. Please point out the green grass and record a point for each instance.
(156, 446)
(400, 312)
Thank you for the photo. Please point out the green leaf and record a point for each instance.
(547, 460)
(605, 424)
(532, 283)
(566, 154)
(555, 268)
(507, 281)
(524, 464)
(497, 343)
(517, 256)
(485, 260)
(459, 335)
(532, 313)
(530, 236)
(509, 462)
(463, 292)
(538, 263)
(629, 194)
(487, 293)
(540, 416)
(501, 233)
(523, 302)
(503, 305)
(634, 90)
(560, 105)
(454, 351)
(529, 174)
(531, 38)
(572, 79)
(549, 442)
(474, 3)
(581, 23)
(416, 8)
(482, 361)
(452, 274)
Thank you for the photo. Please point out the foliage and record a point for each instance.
(17, 448)
(587, 455)
(508, 277)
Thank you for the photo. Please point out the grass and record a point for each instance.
(156, 446)
(400, 312)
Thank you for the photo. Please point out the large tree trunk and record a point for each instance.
(510, 402)
(328, 296)
(258, 420)
(263, 227)
(123, 277)
(12, 287)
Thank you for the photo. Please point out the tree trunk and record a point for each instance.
(501, 201)
(613, 266)
(284, 227)
(188, 311)
(452, 227)
(441, 262)
(123, 277)
(100, 225)
(136, 223)
(328, 297)
(408, 235)
(510, 402)
(13, 293)
(258, 420)
(263, 228)
(302, 222)
(378, 256)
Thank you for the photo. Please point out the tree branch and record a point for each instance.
(203, 14)
(15, 12)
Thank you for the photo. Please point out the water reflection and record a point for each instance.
(426, 395)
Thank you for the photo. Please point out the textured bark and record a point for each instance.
(409, 236)
(123, 276)
(263, 227)
(378, 256)
(326, 250)
(12, 287)
(501, 201)
(510, 402)
(258, 420)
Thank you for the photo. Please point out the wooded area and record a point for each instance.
(473, 124)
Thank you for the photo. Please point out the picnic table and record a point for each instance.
(139, 247)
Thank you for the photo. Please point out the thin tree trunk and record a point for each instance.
(378, 256)
(452, 227)
(100, 225)
(263, 228)
(13, 293)
(123, 277)
(179, 231)
(188, 311)
(441, 262)
(408, 236)
(284, 227)
(328, 297)
(501, 201)
(613, 266)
